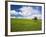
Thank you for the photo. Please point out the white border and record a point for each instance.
(27, 32)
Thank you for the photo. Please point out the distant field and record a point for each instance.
(25, 25)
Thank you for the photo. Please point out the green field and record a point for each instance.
(25, 25)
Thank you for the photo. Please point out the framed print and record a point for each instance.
(24, 18)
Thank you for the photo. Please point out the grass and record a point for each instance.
(25, 25)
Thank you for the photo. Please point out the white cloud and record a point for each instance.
(13, 12)
(29, 12)
(26, 11)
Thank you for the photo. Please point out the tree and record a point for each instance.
(35, 18)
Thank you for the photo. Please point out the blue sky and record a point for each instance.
(25, 10)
